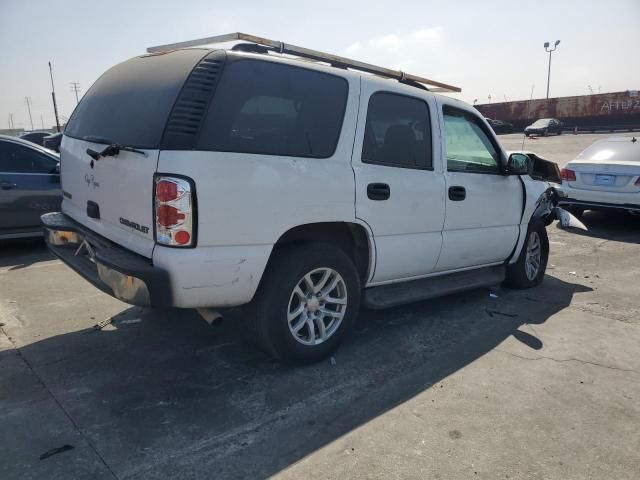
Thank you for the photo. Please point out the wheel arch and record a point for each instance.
(353, 238)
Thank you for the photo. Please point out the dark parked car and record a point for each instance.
(500, 127)
(52, 142)
(29, 187)
(544, 127)
(36, 136)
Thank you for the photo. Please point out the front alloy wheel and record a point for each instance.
(533, 256)
(529, 269)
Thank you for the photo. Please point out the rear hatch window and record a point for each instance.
(129, 105)
(131, 102)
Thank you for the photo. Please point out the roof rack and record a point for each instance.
(334, 60)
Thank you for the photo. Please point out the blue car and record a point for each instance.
(29, 186)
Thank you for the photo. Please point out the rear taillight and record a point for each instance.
(174, 211)
(568, 175)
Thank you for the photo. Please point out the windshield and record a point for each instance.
(543, 122)
(130, 103)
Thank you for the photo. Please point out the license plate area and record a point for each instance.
(607, 180)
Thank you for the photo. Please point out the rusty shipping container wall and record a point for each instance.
(600, 110)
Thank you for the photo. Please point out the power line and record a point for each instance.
(75, 87)
(28, 102)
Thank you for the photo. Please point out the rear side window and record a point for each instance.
(397, 132)
(274, 109)
(131, 102)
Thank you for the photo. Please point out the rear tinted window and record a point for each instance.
(397, 132)
(130, 103)
(274, 109)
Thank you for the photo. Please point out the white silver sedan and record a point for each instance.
(604, 176)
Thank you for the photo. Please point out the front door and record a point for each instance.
(483, 206)
(399, 183)
(29, 186)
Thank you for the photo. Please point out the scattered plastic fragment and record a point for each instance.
(572, 273)
(493, 295)
(333, 361)
(103, 323)
(55, 451)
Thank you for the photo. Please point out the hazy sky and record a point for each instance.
(486, 47)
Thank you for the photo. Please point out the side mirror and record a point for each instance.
(57, 169)
(518, 164)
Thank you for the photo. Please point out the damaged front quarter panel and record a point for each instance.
(544, 177)
(547, 210)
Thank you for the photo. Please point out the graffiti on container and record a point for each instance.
(609, 107)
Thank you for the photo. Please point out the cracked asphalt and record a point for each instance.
(535, 384)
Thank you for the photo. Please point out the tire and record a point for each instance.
(283, 289)
(519, 274)
(527, 135)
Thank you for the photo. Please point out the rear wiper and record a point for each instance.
(112, 150)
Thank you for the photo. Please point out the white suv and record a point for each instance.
(202, 178)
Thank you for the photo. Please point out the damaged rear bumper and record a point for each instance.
(117, 271)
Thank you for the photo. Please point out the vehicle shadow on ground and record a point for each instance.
(164, 395)
(617, 226)
(30, 251)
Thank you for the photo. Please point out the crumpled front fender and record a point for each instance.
(547, 210)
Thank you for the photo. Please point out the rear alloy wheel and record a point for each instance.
(307, 303)
(528, 271)
(317, 306)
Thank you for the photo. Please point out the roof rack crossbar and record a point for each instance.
(294, 50)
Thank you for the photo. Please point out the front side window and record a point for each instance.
(468, 147)
(273, 109)
(18, 159)
(397, 132)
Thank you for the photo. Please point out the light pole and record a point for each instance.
(53, 97)
(550, 50)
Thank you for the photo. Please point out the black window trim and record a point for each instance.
(241, 58)
(395, 165)
(481, 125)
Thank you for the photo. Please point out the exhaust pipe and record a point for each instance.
(210, 315)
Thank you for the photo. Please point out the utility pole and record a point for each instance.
(28, 101)
(75, 87)
(53, 96)
(550, 50)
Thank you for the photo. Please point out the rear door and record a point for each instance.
(483, 207)
(129, 105)
(29, 186)
(399, 187)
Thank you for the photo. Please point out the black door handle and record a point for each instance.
(457, 193)
(7, 185)
(378, 191)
